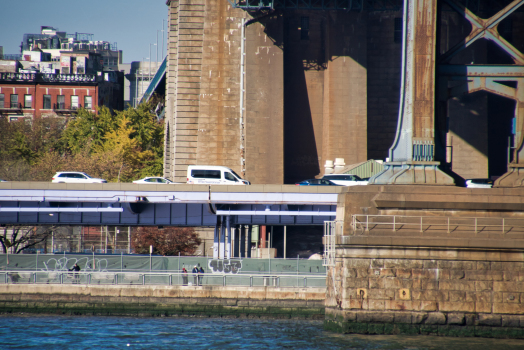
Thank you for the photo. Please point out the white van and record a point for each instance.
(213, 175)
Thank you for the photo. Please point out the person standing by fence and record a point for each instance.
(184, 276)
(195, 275)
(75, 268)
(200, 275)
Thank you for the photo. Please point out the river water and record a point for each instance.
(85, 332)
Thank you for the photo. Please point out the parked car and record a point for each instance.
(479, 183)
(345, 179)
(316, 182)
(75, 177)
(213, 175)
(155, 180)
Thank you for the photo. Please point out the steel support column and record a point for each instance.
(236, 242)
(222, 244)
(216, 237)
(228, 248)
(412, 155)
(249, 231)
(242, 241)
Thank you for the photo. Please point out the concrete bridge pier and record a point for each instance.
(428, 260)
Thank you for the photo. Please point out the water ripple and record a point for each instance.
(85, 332)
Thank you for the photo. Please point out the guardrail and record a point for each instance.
(363, 224)
(167, 279)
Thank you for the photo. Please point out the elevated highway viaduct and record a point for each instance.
(229, 209)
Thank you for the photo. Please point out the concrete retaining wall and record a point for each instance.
(163, 301)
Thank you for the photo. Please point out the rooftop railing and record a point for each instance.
(48, 78)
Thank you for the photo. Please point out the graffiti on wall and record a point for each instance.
(225, 265)
(87, 264)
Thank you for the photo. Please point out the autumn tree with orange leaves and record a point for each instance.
(166, 241)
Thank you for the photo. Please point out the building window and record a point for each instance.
(397, 34)
(60, 101)
(304, 28)
(88, 102)
(1, 100)
(28, 101)
(47, 102)
(74, 102)
(14, 101)
(13, 119)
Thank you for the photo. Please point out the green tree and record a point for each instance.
(23, 143)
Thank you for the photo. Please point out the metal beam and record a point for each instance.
(499, 71)
(62, 210)
(484, 28)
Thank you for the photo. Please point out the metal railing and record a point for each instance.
(330, 229)
(363, 224)
(48, 77)
(163, 278)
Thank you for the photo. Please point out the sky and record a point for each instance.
(132, 24)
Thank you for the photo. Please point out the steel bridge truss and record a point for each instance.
(490, 78)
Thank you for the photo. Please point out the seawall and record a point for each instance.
(205, 301)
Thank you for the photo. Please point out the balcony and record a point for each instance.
(48, 78)
(13, 109)
(63, 109)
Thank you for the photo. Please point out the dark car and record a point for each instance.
(316, 182)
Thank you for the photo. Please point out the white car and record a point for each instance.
(479, 183)
(155, 180)
(75, 177)
(345, 179)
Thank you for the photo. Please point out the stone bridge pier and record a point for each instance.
(428, 260)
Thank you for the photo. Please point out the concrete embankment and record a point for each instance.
(163, 300)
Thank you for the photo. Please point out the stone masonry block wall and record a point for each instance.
(162, 301)
(458, 282)
(444, 297)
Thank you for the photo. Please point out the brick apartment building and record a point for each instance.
(55, 76)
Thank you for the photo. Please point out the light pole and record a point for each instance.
(156, 63)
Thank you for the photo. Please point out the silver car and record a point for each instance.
(155, 180)
(75, 177)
